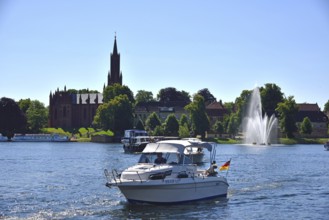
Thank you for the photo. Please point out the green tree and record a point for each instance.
(37, 116)
(158, 131)
(326, 107)
(226, 121)
(123, 113)
(306, 126)
(184, 120)
(103, 118)
(170, 94)
(144, 96)
(115, 115)
(218, 127)
(241, 105)
(110, 92)
(208, 97)
(152, 121)
(24, 104)
(287, 111)
(229, 107)
(12, 118)
(199, 118)
(183, 131)
(184, 125)
(233, 125)
(271, 95)
(171, 125)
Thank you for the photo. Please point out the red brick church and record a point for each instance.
(74, 110)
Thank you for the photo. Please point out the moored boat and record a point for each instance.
(137, 144)
(40, 138)
(175, 180)
(135, 140)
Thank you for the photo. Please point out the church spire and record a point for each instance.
(115, 49)
(114, 75)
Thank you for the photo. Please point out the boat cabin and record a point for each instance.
(173, 151)
(134, 133)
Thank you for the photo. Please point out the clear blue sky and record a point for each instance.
(225, 46)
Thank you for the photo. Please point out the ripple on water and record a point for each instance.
(65, 181)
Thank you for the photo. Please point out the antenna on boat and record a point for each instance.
(213, 152)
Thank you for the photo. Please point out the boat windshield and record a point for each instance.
(193, 150)
(171, 158)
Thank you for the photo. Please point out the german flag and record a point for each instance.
(225, 166)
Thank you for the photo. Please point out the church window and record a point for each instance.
(84, 113)
(55, 115)
(64, 112)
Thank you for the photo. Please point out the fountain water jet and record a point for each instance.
(259, 129)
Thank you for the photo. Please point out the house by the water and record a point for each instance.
(319, 119)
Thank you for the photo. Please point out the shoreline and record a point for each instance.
(285, 141)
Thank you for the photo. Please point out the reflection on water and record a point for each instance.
(66, 181)
(196, 210)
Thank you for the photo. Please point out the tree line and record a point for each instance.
(117, 112)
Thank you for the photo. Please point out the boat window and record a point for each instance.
(150, 158)
(172, 158)
(184, 160)
(145, 158)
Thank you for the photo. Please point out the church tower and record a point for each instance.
(114, 75)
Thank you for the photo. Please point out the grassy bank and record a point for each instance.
(224, 140)
(290, 141)
(286, 141)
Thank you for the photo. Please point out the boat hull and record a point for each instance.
(174, 190)
(134, 148)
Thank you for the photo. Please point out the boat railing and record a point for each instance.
(139, 177)
(113, 177)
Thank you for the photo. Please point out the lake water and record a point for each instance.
(66, 181)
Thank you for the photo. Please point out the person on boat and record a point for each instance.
(160, 159)
(211, 171)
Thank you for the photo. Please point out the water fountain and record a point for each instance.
(259, 129)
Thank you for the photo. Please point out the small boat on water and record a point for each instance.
(40, 138)
(165, 175)
(135, 140)
(137, 144)
(326, 145)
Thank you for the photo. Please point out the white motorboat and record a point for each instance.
(176, 180)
